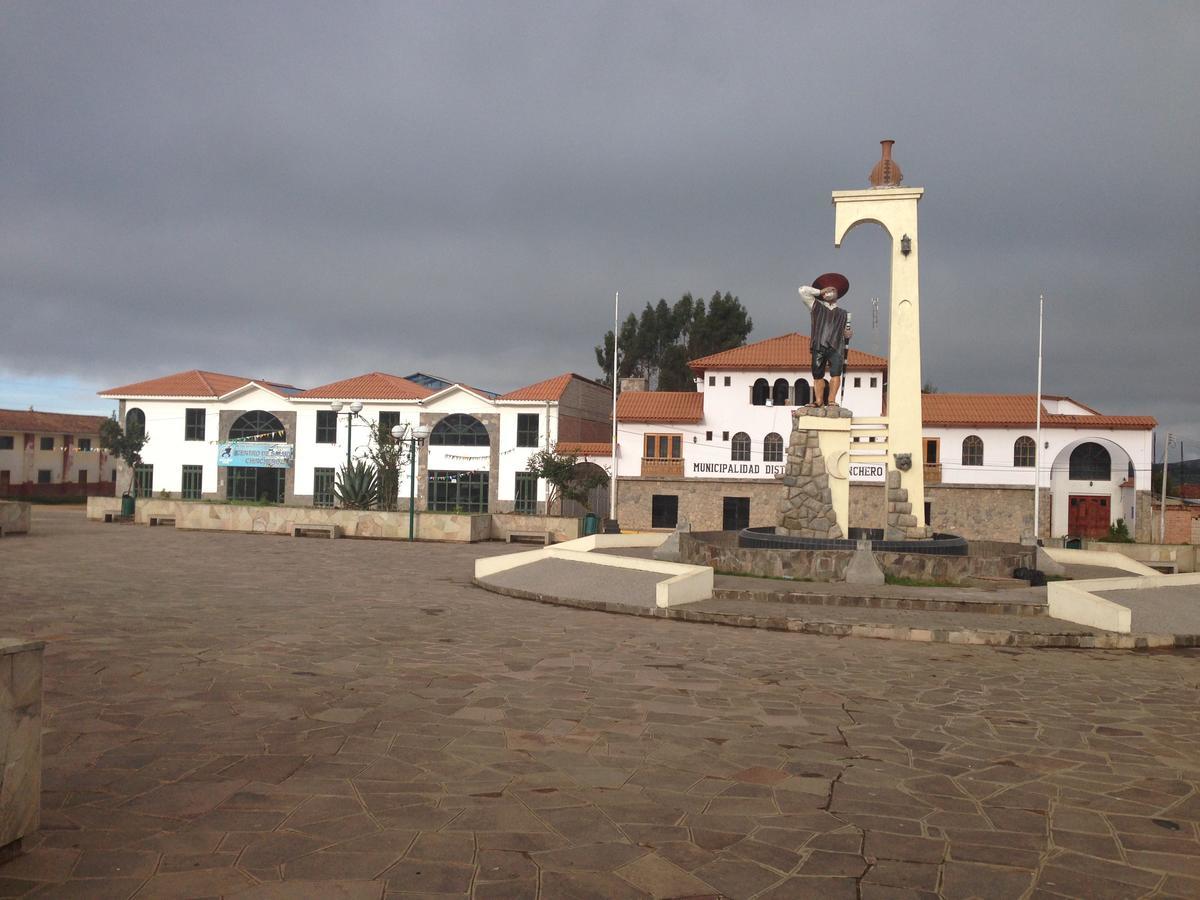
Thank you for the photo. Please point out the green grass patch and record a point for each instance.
(770, 577)
(904, 581)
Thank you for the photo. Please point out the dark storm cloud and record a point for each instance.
(310, 191)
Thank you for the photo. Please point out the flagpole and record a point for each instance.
(1037, 450)
(612, 491)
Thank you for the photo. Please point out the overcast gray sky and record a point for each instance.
(307, 192)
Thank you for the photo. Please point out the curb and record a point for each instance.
(985, 607)
(965, 636)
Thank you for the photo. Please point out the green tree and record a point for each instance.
(659, 344)
(389, 457)
(127, 447)
(565, 478)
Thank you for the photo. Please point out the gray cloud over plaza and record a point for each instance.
(309, 191)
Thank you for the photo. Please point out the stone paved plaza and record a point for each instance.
(264, 717)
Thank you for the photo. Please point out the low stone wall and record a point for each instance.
(20, 742)
(986, 559)
(429, 526)
(1182, 556)
(14, 517)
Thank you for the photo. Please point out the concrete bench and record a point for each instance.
(329, 531)
(163, 520)
(546, 537)
(117, 517)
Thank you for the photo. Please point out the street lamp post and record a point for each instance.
(355, 409)
(414, 437)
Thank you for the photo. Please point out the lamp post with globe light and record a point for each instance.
(414, 437)
(350, 414)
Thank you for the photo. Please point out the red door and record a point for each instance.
(1088, 517)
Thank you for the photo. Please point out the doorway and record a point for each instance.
(1088, 517)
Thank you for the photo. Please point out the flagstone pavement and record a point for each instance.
(265, 717)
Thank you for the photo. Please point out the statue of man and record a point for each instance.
(830, 332)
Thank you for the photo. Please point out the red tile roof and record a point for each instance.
(660, 406)
(1014, 411)
(372, 386)
(550, 389)
(788, 351)
(28, 420)
(585, 448)
(194, 383)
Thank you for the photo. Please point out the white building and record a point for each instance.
(711, 457)
(474, 458)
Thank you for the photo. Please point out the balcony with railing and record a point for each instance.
(654, 467)
(933, 473)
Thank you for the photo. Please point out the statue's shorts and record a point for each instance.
(827, 357)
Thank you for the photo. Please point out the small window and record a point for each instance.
(85, 444)
(193, 481)
(528, 428)
(388, 420)
(83, 476)
(858, 381)
(712, 380)
(759, 392)
(728, 381)
(874, 381)
(779, 392)
(972, 450)
(6, 442)
(932, 455)
(724, 435)
(526, 495)
(773, 448)
(135, 422)
(323, 487)
(46, 443)
(664, 446)
(43, 476)
(143, 481)
(708, 435)
(193, 424)
(803, 392)
(326, 426)
(664, 510)
(739, 447)
(1023, 452)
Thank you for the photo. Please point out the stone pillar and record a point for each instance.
(894, 208)
(20, 742)
(816, 497)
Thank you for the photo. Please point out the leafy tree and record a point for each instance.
(659, 343)
(566, 479)
(127, 447)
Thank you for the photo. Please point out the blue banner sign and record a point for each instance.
(255, 455)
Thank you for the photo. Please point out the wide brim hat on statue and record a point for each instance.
(833, 280)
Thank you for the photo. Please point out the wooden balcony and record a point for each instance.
(933, 473)
(653, 467)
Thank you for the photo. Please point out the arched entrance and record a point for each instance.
(1086, 483)
(250, 483)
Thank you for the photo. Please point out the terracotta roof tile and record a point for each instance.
(585, 448)
(660, 406)
(550, 389)
(28, 420)
(788, 351)
(372, 386)
(193, 383)
(1014, 411)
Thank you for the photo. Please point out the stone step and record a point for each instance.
(987, 606)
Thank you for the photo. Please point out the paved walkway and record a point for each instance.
(261, 717)
(1168, 610)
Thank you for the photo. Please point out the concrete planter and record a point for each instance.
(20, 742)
(14, 517)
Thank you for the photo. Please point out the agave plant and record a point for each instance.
(357, 486)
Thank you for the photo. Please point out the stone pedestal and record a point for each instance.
(816, 497)
(902, 522)
(14, 517)
(20, 741)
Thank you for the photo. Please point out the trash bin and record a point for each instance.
(127, 505)
(591, 524)
(1073, 543)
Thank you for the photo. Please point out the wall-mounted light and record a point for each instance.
(905, 245)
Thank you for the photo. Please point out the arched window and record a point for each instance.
(1090, 462)
(772, 448)
(760, 392)
(779, 393)
(257, 426)
(739, 447)
(803, 394)
(1023, 452)
(459, 430)
(135, 422)
(972, 450)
